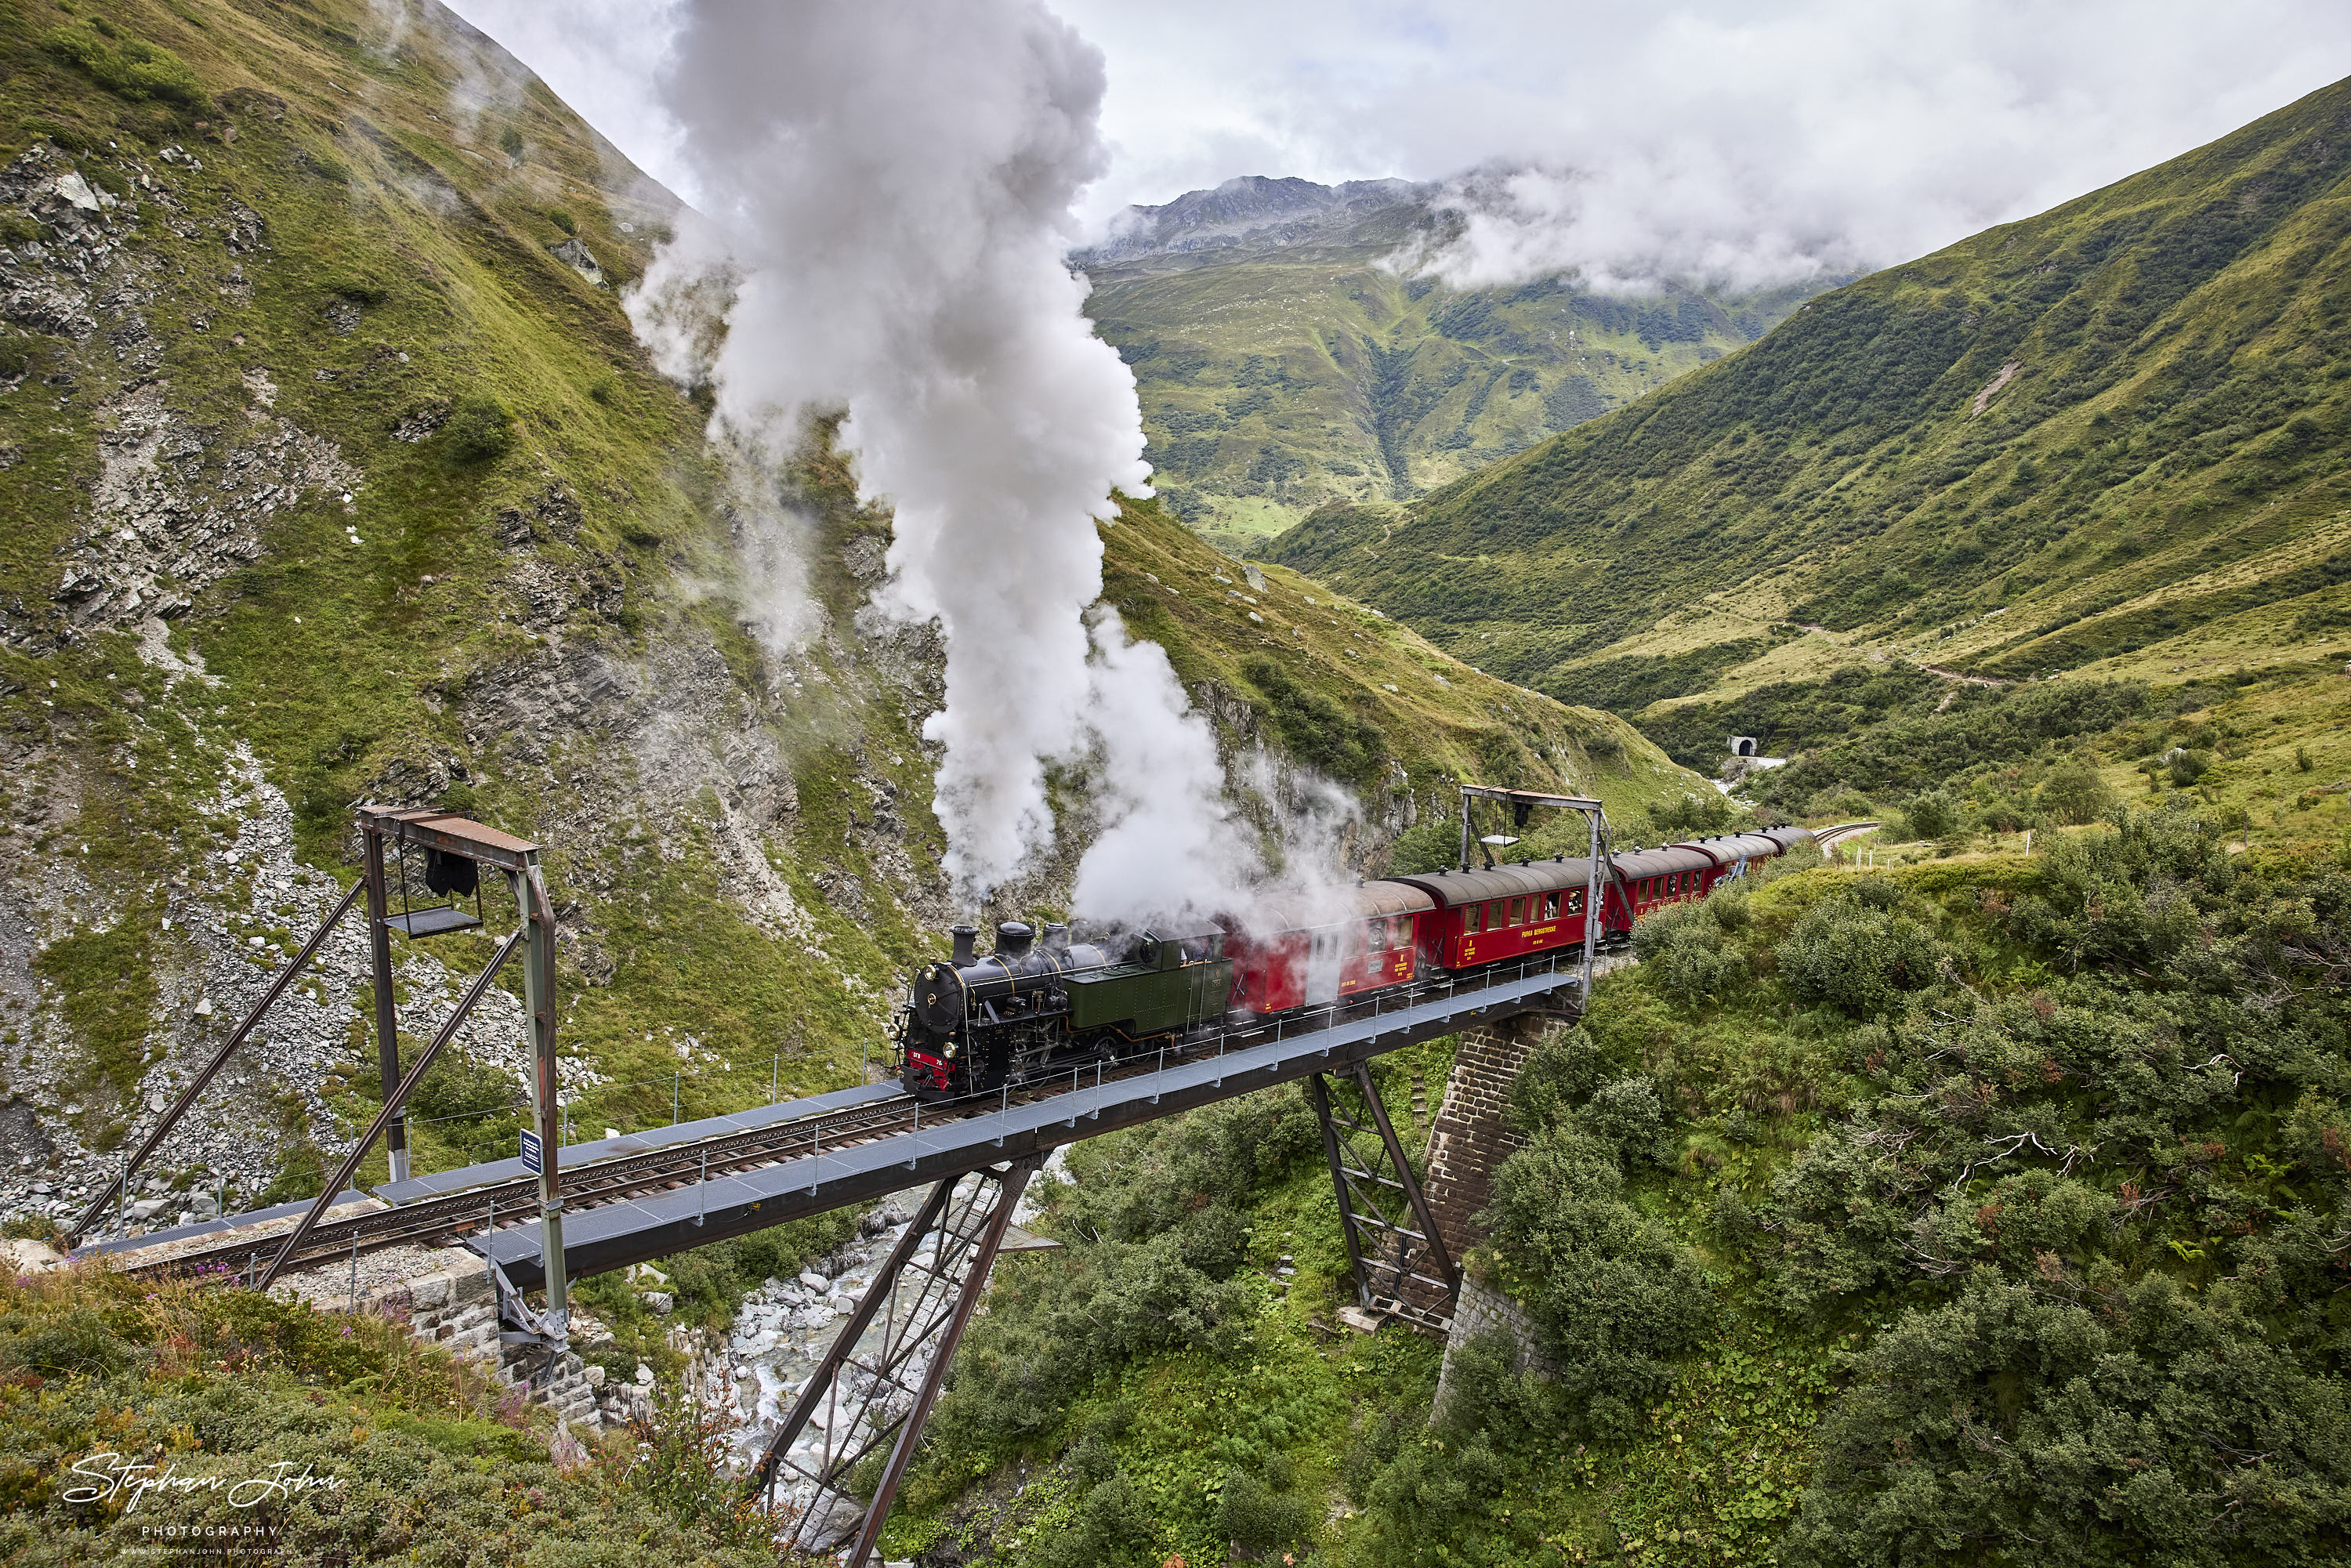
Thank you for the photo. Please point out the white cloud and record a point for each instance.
(1743, 139)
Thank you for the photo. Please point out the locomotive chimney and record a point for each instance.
(967, 945)
(1013, 939)
(1057, 937)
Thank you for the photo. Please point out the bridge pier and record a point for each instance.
(1470, 1138)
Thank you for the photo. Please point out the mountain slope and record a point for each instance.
(334, 475)
(1281, 365)
(2105, 440)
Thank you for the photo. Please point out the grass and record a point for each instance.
(1277, 378)
(2158, 494)
(1437, 718)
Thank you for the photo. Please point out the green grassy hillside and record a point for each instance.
(1982, 1213)
(2103, 442)
(1287, 369)
(334, 475)
(1342, 689)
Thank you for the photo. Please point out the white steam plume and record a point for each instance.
(890, 186)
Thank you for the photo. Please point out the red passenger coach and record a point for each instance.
(1291, 952)
(1733, 852)
(1504, 912)
(1653, 878)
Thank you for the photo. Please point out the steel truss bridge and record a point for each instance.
(588, 1208)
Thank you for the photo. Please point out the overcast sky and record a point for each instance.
(1748, 141)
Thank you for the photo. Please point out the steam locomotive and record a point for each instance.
(1040, 1004)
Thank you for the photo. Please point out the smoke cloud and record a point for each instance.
(888, 192)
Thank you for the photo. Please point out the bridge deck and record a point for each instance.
(638, 1229)
(674, 1213)
(463, 1178)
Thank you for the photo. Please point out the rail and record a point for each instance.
(704, 1164)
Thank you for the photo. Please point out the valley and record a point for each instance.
(1932, 1206)
(1285, 362)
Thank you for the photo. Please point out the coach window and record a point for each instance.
(1495, 914)
(1470, 921)
(1375, 936)
(1517, 912)
(1575, 901)
(1400, 931)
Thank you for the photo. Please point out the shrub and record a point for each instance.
(1685, 942)
(2016, 1418)
(1692, 816)
(479, 429)
(459, 1086)
(1933, 814)
(2073, 794)
(1428, 846)
(1613, 1297)
(1856, 955)
(1256, 1514)
(510, 141)
(1315, 729)
(1626, 1115)
(562, 220)
(131, 68)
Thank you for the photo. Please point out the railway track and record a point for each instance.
(442, 1220)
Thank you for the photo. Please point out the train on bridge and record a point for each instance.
(1040, 1002)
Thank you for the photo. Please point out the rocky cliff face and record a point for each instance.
(1250, 210)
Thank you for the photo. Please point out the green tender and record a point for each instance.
(1139, 1001)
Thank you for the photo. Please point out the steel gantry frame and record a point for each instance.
(1603, 859)
(861, 1399)
(1393, 1242)
(536, 936)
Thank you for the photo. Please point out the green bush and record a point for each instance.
(510, 141)
(1314, 728)
(1613, 1298)
(1259, 1515)
(1933, 814)
(2072, 794)
(1114, 1524)
(1856, 956)
(563, 220)
(2122, 1425)
(459, 1086)
(478, 430)
(1686, 944)
(130, 68)
(1154, 1234)
(1692, 816)
(1428, 846)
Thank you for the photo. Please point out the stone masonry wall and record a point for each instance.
(1483, 1311)
(1468, 1141)
(457, 1309)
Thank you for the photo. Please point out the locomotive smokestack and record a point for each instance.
(966, 945)
(1013, 939)
(1057, 937)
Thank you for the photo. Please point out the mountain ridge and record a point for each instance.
(1993, 457)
